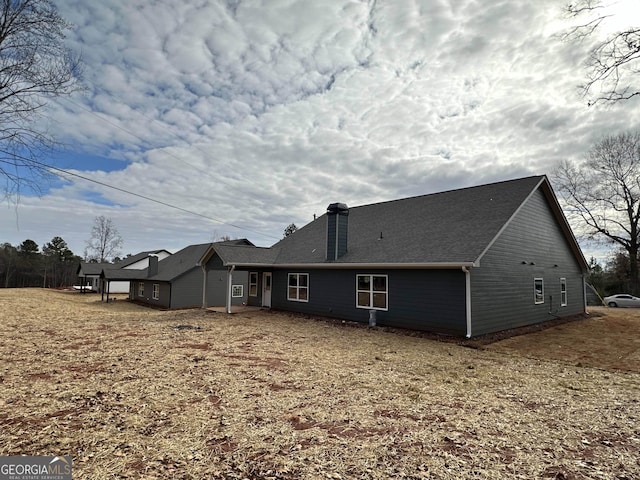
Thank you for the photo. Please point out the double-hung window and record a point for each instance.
(141, 289)
(156, 291)
(253, 284)
(372, 292)
(298, 290)
(563, 292)
(538, 290)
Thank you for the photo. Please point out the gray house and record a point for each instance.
(179, 281)
(463, 262)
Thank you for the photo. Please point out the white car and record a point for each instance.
(622, 300)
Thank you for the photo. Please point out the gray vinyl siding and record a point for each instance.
(217, 286)
(532, 246)
(240, 277)
(186, 291)
(432, 300)
(165, 293)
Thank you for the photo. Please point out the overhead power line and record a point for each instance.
(166, 152)
(44, 166)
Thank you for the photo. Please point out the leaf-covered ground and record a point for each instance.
(131, 392)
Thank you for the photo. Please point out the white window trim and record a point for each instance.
(563, 292)
(371, 307)
(156, 291)
(237, 291)
(297, 287)
(252, 284)
(535, 299)
(141, 289)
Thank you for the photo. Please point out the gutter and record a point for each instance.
(352, 266)
(467, 277)
(229, 287)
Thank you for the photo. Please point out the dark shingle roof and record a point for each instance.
(179, 263)
(449, 227)
(93, 268)
(124, 274)
(454, 227)
(241, 254)
(175, 265)
(168, 268)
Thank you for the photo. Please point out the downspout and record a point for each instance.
(584, 293)
(204, 286)
(229, 287)
(467, 277)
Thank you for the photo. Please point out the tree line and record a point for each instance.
(56, 266)
(25, 265)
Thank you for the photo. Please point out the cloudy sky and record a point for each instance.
(256, 114)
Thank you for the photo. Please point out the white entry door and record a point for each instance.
(266, 289)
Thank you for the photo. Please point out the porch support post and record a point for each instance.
(230, 287)
(204, 286)
(467, 277)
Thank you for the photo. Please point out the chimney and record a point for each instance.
(152, 269)
(337, 226)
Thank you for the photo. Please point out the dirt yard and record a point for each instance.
(131, 392)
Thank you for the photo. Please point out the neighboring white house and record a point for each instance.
(90, 272)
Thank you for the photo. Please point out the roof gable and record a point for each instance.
(188, 258)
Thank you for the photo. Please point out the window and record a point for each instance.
(141, 289)
(253, 284)
(298, 290)
(156, 291)
(371, 292)
(237, 290)
(563, 292)
(538, 290)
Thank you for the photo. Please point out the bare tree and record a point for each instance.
(217, 237)
(604, 193)
(35, 65)
(613, 63)
(105, 241)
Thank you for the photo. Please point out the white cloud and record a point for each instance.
(259, 114)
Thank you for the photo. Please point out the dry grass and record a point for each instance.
(268, 395)
(609, 339)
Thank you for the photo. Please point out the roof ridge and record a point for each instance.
(240, 246)
(471, 187)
